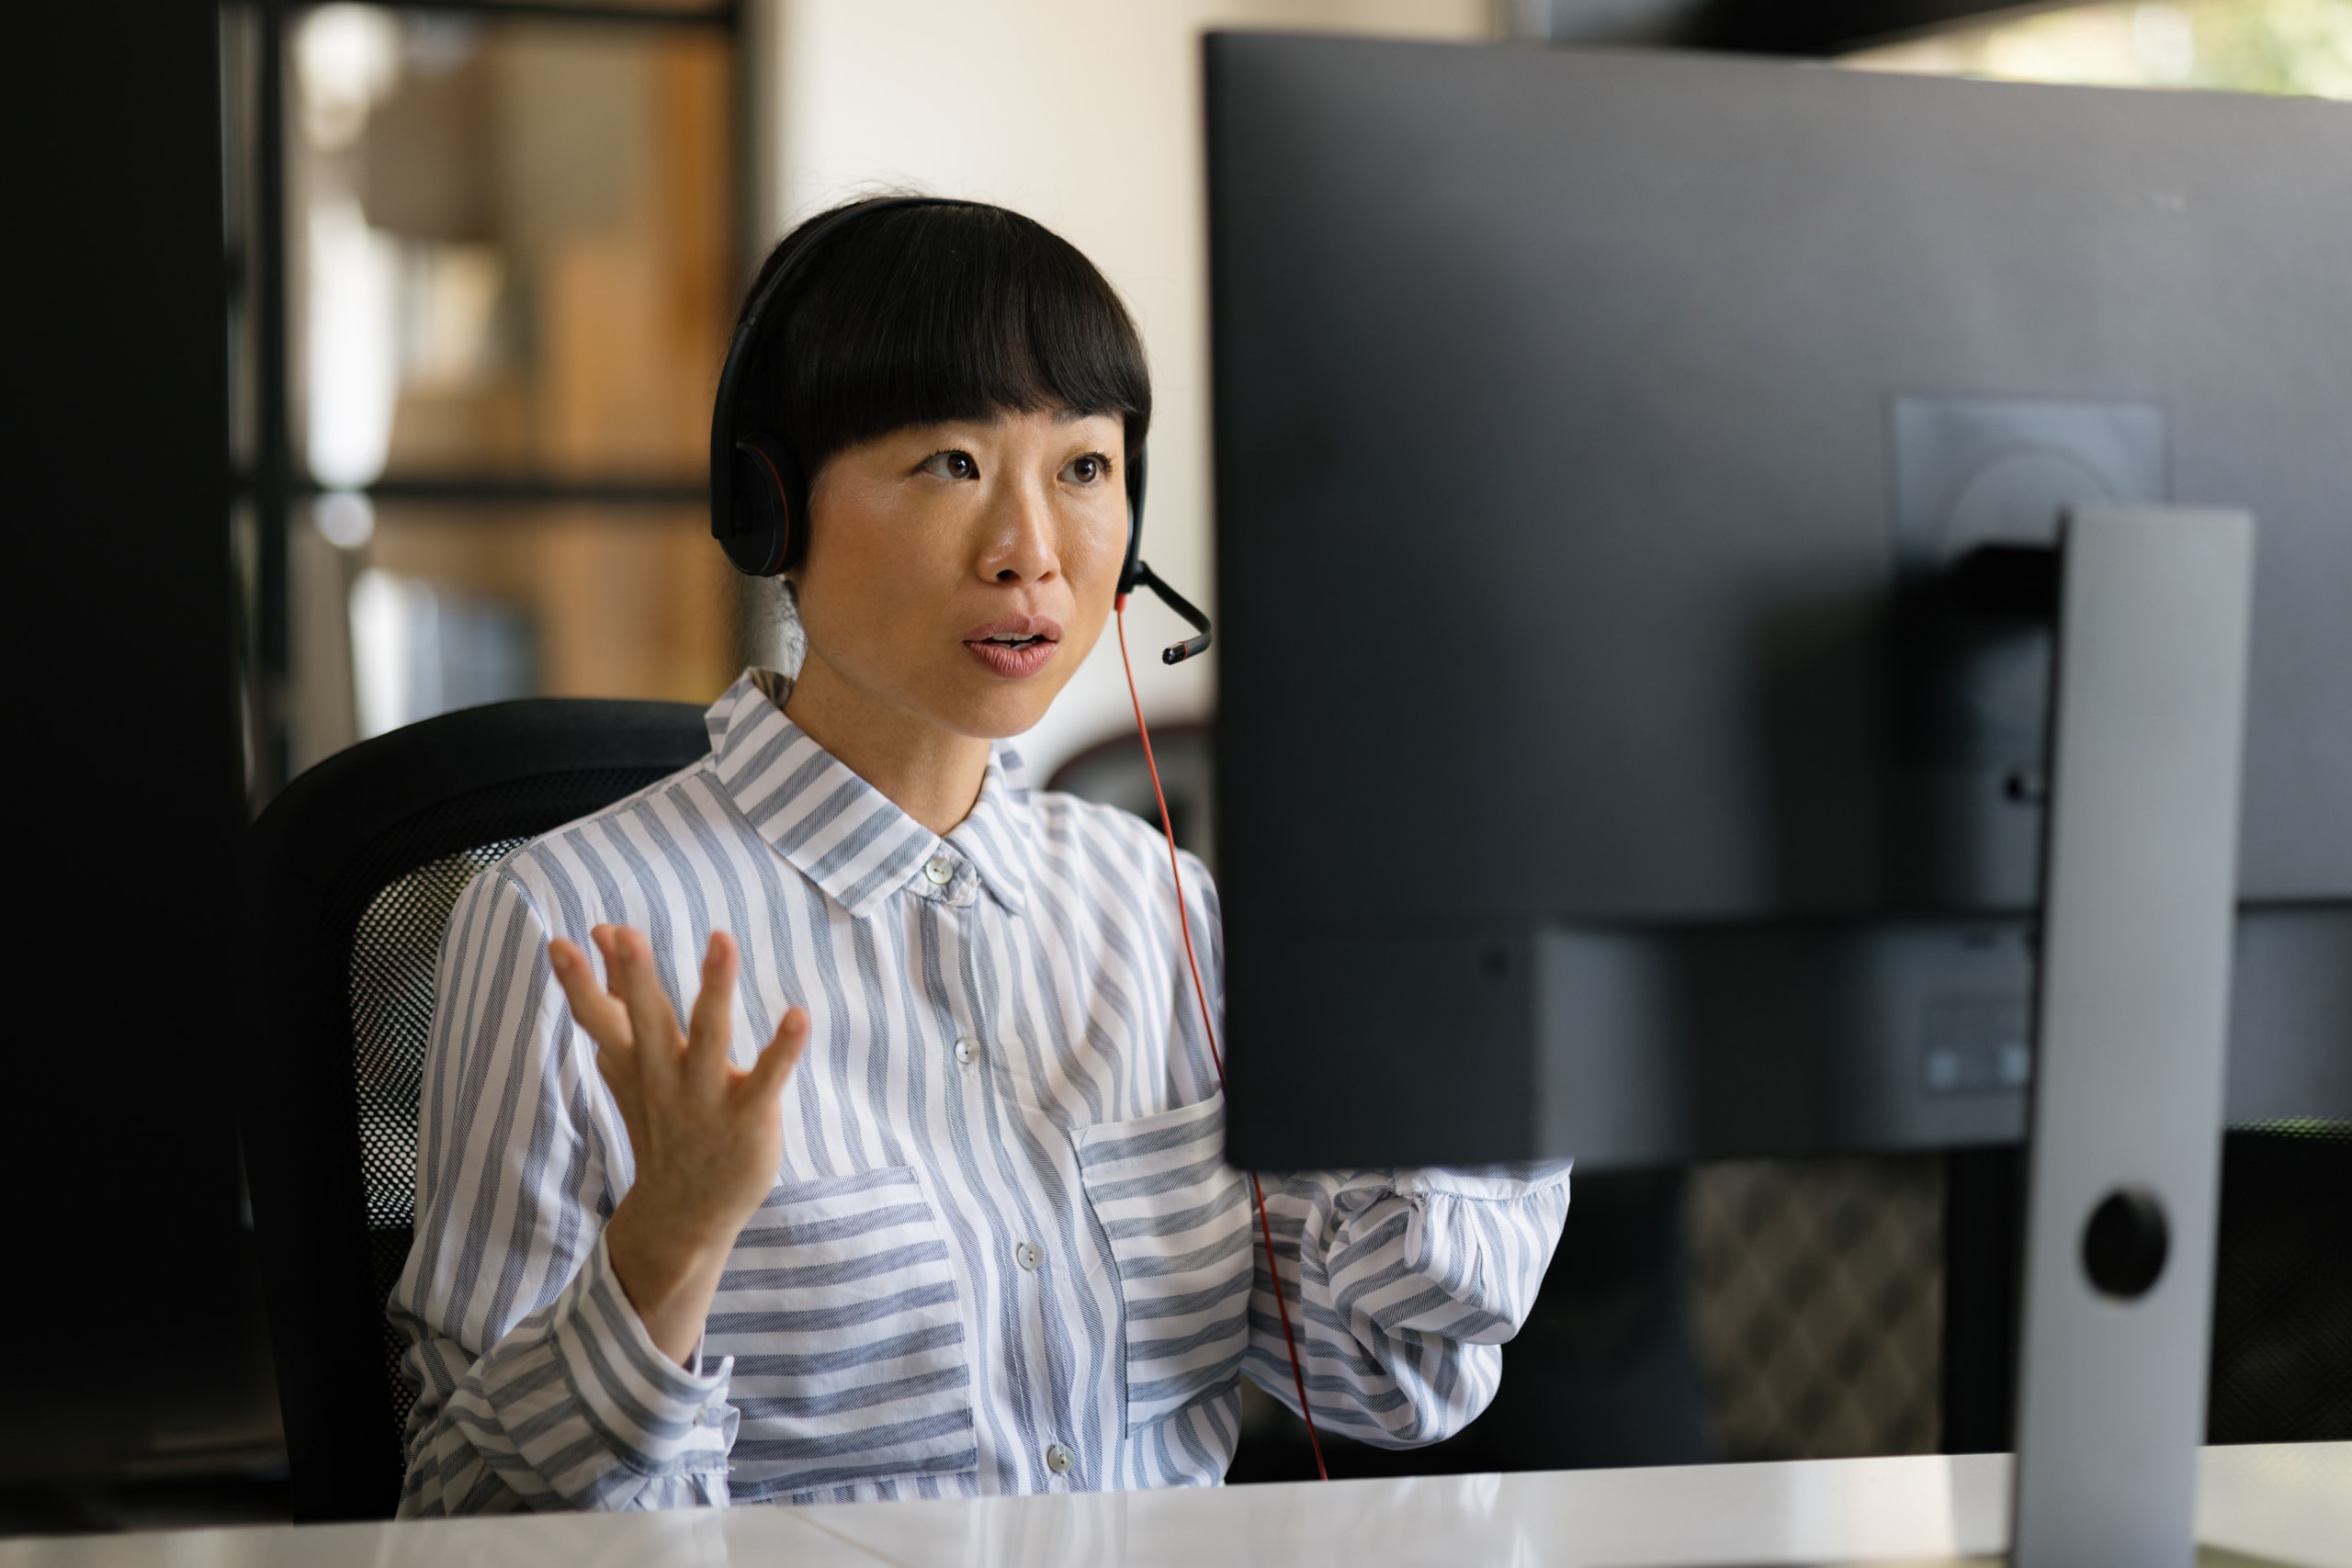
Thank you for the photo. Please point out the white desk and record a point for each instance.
(2290, 1505)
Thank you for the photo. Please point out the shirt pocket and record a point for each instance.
(838, 1305)
(1178, 1220)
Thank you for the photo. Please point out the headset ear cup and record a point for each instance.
(767, 500)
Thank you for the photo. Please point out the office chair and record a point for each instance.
(1112, 772)
(351, 874)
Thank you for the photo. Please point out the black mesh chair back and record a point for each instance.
(351, 875)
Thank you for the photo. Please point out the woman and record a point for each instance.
(962, 1225)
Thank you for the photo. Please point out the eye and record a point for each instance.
(1092, 469)
(951, 465)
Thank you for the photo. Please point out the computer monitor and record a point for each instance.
(1630, 744)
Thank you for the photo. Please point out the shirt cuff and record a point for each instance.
(1495, 1183)
(657, 1417)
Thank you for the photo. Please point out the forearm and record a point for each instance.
(574, 1407)
(668, 1268)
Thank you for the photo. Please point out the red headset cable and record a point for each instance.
(1208, 1025)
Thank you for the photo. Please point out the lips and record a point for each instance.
(1015, 646)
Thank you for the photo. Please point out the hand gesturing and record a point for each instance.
(707, 1136)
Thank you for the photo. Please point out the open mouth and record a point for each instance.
(1015, 646)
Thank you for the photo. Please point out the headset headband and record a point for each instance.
(724, 432)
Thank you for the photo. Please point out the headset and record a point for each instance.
(758, 489)
(759, 513)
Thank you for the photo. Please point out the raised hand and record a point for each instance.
(708, 1135)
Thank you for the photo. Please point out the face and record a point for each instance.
(959, 573)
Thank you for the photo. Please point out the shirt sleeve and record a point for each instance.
(1402, 1286)
(537, 1385)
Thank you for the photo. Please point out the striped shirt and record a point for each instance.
(1003, 1252)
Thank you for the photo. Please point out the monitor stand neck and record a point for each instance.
(2139, 887)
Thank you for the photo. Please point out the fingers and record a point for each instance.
(605, 1020)
(767, 1077)
(708, 1032)
(631, 1010)
(630, 977)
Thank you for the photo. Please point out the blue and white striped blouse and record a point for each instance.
(1003, 1253)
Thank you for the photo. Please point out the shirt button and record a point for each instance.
(1029, 1254)
(1058, 1459)
(941, 870)
(967, 1051)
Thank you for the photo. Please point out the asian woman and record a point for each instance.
(834, 1120)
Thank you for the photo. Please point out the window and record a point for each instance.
(2256, 46)
(491, 252)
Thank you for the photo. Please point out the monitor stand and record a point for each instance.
(2124, 1147)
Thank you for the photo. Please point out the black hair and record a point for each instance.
(935, 311)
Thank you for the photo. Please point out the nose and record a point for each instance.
(1020, 544)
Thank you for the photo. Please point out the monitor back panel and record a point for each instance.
(1594, 435)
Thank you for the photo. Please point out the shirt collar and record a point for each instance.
(847, 837)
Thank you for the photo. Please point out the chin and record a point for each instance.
(997, 715)
(1004, 723)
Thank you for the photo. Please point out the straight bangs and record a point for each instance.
(951, 311)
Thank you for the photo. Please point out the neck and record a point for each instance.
(932, 774)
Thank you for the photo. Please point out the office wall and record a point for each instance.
(1085, 115)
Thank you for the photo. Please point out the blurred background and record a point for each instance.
(454, 279)
(508, 248)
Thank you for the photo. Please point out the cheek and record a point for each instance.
(868, 572)
(840, 588)
(1092, 558)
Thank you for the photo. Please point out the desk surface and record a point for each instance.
(2290, 1505)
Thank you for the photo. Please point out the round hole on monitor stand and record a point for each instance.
(2125, 1243)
